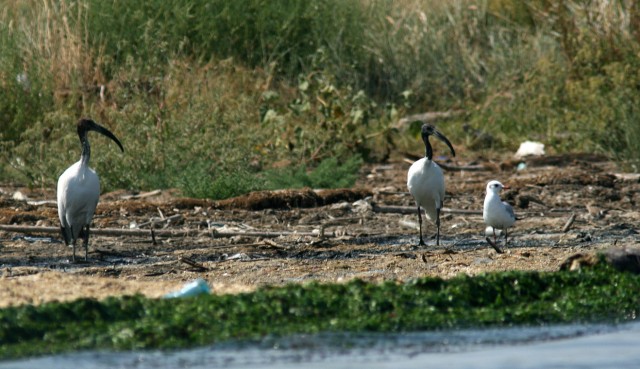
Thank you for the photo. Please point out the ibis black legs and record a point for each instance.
(438, 226)
(421, 243)
(84, 235)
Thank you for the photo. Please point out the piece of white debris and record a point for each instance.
(530, 148)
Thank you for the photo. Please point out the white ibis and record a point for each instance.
(497, 213)
(426, 181)
(79, 190)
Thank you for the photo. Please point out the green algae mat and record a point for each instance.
(599, 294)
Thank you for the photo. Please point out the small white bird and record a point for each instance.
(497, 213)
(426, 181)
(79, 190)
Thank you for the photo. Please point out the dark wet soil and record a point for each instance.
(295, 236)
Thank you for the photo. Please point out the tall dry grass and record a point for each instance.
(237, 88)
(55, 50)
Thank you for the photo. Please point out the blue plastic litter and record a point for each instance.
(193, 288)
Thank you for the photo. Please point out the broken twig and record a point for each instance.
(495, 247)
(141, 195)
(193, 264)
(569, 223)
(412, 210)
(153, 237)
(147, 233)
(155, 221)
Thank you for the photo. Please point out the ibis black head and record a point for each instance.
(429, 130)
(85, 125)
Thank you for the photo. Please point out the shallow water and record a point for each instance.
(568, 346)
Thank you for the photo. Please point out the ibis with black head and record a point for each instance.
(79, 190)
(425, 181)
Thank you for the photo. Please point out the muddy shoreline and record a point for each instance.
(360, 241)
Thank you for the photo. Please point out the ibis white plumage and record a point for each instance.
(426, 181)
(79, 190)
(497, 213)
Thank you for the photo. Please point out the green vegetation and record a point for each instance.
(208, 94)
(499, 299)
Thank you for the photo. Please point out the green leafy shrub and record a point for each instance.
(328, 174)
(493, 299)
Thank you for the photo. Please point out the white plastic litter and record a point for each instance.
(19, 196)
(530, 148)
(238, 256)
(193, 288)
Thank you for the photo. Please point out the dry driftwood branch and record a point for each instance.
(155, 221)
(153, 238)
(42, 202)
(271, 243)
(337, 222)
(495, 247)
(289, 199)
(404, 193)
(147, 233)
(98, 231)
(266, 234)
(412, 210)
(569, 223)
(192, 263)
(631, 177)
(141, 195)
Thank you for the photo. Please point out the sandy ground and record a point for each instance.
(361, 239)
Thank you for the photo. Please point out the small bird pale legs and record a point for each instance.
(497, 213)
(79, 190)
(426, 182)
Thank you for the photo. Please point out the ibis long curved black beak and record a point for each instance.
(429, 130)
(85, 125)
(445, 140)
